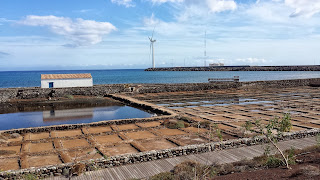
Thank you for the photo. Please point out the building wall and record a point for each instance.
(60, 83)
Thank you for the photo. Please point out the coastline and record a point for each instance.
(240, 98)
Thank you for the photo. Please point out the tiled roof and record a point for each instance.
(65, 76)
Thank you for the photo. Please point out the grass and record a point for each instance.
(69, 96)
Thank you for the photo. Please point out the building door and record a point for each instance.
(50, 84)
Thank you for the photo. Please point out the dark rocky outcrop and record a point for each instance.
(239, 68)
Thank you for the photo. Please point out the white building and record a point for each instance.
(216, 64)
(66, 80)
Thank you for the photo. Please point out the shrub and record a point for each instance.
(280, 125)
(291, 156)
(180, 124)
(69, 96)
(163, 176)
(78, 169)
(274, 162)
(30, 177)
(190, 170)
(174, 124)
(184, 118)
(205, 124)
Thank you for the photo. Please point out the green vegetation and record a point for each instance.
(175, 124)
(30, 177)
(163, 176)
(318, 139)
(188, 170)
(214, 131)
(273, 162)
(69, 96)
(274, 129)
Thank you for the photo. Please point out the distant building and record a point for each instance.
(216, 64)
(66, 80)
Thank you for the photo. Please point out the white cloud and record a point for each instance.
(221, 5)
(251, 61)
(162, 27)
(4, 20)
(79, 31)
(306, 8)
(188, 16)
(126, 3)
(215, 6)
(164, 1)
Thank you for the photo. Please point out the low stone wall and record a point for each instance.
(35, 92)
(7, 94)
(63, 169)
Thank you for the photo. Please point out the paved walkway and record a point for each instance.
(147, 169)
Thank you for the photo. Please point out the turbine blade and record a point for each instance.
(153, 32)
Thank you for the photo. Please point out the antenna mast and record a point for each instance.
(205, 43)
(205, 48)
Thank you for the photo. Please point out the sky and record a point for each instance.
(113, 34)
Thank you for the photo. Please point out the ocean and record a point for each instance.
(125, 76)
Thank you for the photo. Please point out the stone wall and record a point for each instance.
(36, 92)
(7, 94)
(63, 169)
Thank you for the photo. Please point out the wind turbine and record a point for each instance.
(151, 47)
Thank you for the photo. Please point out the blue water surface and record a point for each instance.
(69, 116)
(126, 76)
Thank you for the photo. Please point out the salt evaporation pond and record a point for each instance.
(69, 116)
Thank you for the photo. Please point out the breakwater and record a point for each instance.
(240, 68)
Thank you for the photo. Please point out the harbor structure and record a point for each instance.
(66, 80)
(216, 64)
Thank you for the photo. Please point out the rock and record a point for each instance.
(14, 135)
(310, 170)
(57, 174)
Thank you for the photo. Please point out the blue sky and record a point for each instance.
(112, 34)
